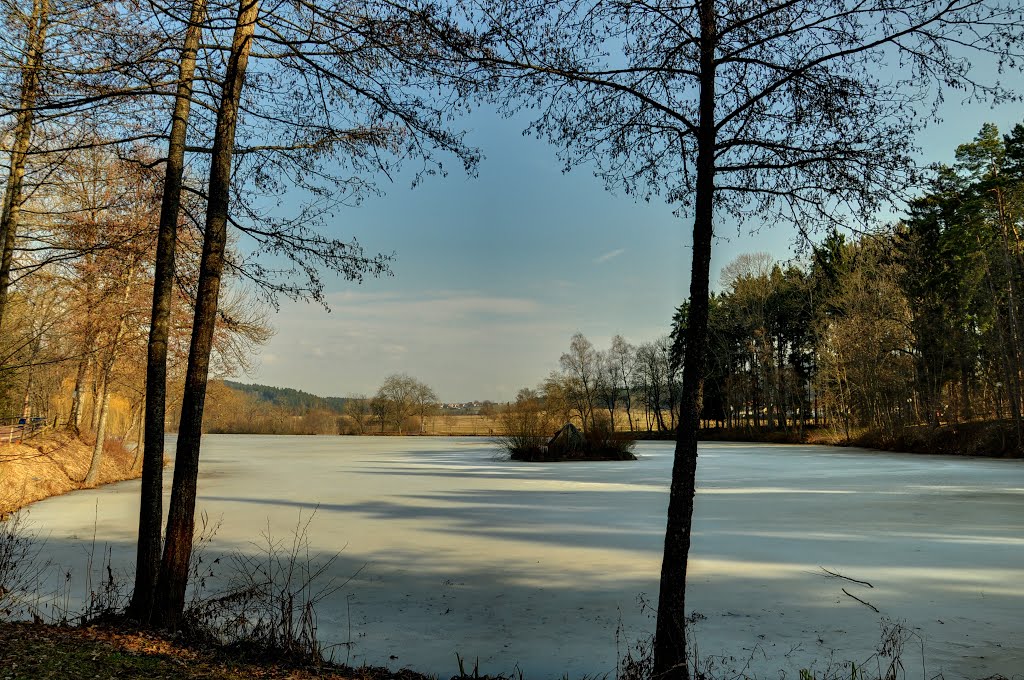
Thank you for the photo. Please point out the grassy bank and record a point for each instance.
(55, 463)
(983, 438)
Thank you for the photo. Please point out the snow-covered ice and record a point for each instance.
(537, 565)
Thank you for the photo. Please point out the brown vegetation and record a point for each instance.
(978, 438)
(30, 651)
(994, 438)
(54, 464)
(461, 425)
(528, 432)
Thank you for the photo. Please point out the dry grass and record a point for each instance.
(53, 464)
(483, 426)
(490, 426)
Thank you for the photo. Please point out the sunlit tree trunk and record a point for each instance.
(181, 512)
(75, 416)
(103, 406)
(140, 438)
(670, 654)
(92, 476)
(147, 563)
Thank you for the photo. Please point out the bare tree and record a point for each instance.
(426, 403)
(36, 25)
(623, 355)
(80, 65)
(581, 368)
(106, 367)
(350, 92)
(359, 409)
(784, 110)
(181, 512)
(653, 370)
(402, 396)
(147, 562)
(608, 382)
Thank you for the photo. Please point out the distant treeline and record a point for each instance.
(916, 327)
(296, 401)
(237, 408)
(402, 405)
(899, 338)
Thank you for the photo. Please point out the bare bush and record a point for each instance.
(603, 442)
(524, 428)
(20, 567)
(636, 660)
(108, 596)
(268, 607)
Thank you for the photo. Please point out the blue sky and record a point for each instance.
(493, 274)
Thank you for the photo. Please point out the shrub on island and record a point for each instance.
(569, 444)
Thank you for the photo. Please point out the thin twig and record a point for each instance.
(838, 575)
(862, 601)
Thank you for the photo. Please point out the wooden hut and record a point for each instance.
(568, 442)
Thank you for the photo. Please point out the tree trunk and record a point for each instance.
(780, 396)
(181, 513)
(670, 654)
(34, 45)
(101, 430)
(94, 406)
(629, 408)
(147, 563)
(656, 399)
(1014, 329)
(103, 400)
(140, 441)
(75, 417)
(966, 412)
(26, 402)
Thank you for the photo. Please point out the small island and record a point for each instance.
(569, 444)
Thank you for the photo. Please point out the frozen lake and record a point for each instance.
(536, 565)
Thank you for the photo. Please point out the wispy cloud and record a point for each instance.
(601, 259)
(445, 305)
(461, 342)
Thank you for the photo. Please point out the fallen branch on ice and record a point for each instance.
(836, 574)
(862, 601)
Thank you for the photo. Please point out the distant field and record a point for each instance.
(485, 426)
(488, 426)
(462, 425)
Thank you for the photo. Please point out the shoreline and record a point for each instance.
(976, 439)
(53, 464)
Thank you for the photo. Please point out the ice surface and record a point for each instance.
(536, 565)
